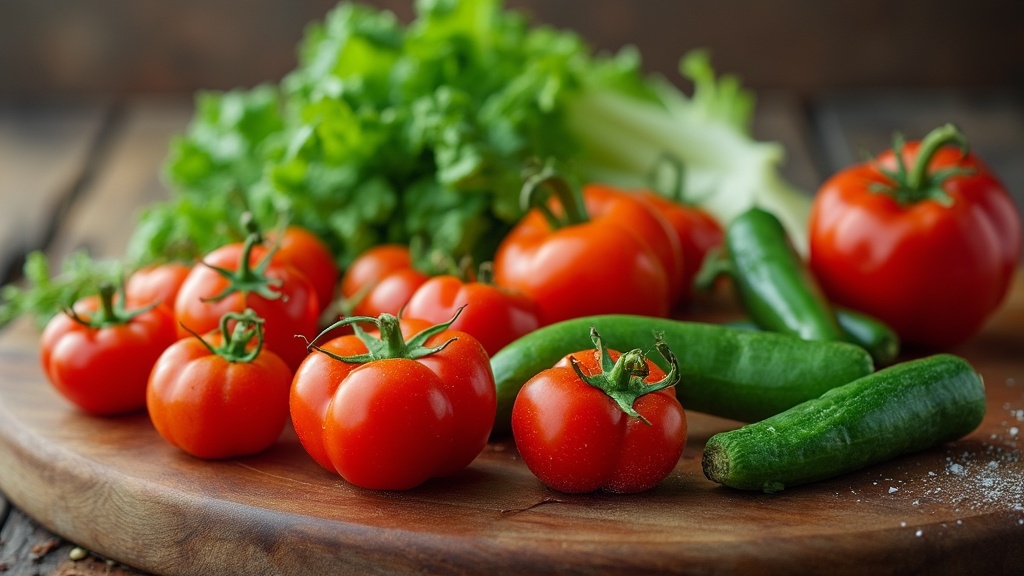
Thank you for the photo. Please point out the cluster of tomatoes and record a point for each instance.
(224, 353)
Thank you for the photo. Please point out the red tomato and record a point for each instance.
(157, 283)
(100, 359)
(929, 252)
(224, 402)
(600, 262)
(310, 255)
(381, 280)
(492, 314)
(404, 414)
(275, 290)
(697, 230)
(575, 437)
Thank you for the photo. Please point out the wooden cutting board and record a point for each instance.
(114, 486)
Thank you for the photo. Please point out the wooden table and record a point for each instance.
(74, 173)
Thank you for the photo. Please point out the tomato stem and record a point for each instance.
(390, 343)
(547, 182)
(235, 347)
(918, 183)
(247, 278)
(111, 311)
(624, 380)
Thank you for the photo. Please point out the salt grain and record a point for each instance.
(893, 489)
(919, 533)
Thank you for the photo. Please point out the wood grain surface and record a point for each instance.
(115, 487)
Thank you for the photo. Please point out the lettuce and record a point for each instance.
(420, 133)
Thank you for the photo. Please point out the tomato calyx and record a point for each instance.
(111, 310)
(544, 184)
(235, 348)
(248, 279)
(390, 344)
(909, 186)
(623, 379)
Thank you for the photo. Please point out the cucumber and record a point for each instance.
(773, 283)
(728, 372)
(905, 408)
(865, 331)
(870, 333)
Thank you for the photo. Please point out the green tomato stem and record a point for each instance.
(540, 186)
(918, 176)
(624, 380)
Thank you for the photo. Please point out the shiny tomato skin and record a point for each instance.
(391, 293)
(306, 252)
(698, 232)
(104, 371)
(599, 267)
(212, 408)
(375, 263)
(460, 373)
(575, 439)
(932, 272)
(649, 223)
(494, 315)
(314, 384)
(156, 283)
(389, 425)
(294, 312)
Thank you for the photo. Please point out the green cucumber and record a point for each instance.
(871, 334)
(902, 409)
(728, 372)
(865, 331)
(772, 282)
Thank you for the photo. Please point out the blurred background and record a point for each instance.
(804, 46)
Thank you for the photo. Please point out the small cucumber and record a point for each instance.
(772, 281)
(871, 334)
(865, 331)
(728, 372)
(905, 408)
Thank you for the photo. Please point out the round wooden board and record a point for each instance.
(114, 486)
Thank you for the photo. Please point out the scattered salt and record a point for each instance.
(893, 489)
(1013, 431)
(956, 469)
(919, 533)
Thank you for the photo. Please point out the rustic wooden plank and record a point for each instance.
(850, 125)
(46, 149)
(27, 549)
(103, 217)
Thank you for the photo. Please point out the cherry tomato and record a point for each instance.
(924, 238)
(591, 259)
(600, 424)
(243, 275)
(391, 413)
(222, 396)
(381, 280)
(492, 314)
(156, 283)
(310, 255)
(98, 355)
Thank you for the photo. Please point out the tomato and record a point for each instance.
(310, 255)
(223, 396)
(930, 250)
(98, 355)
(390, 413)
(156, 283)
(244, 275)
(600, 424)
(381, 280)
(598, 256)
(492, 314)
(697, 230)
